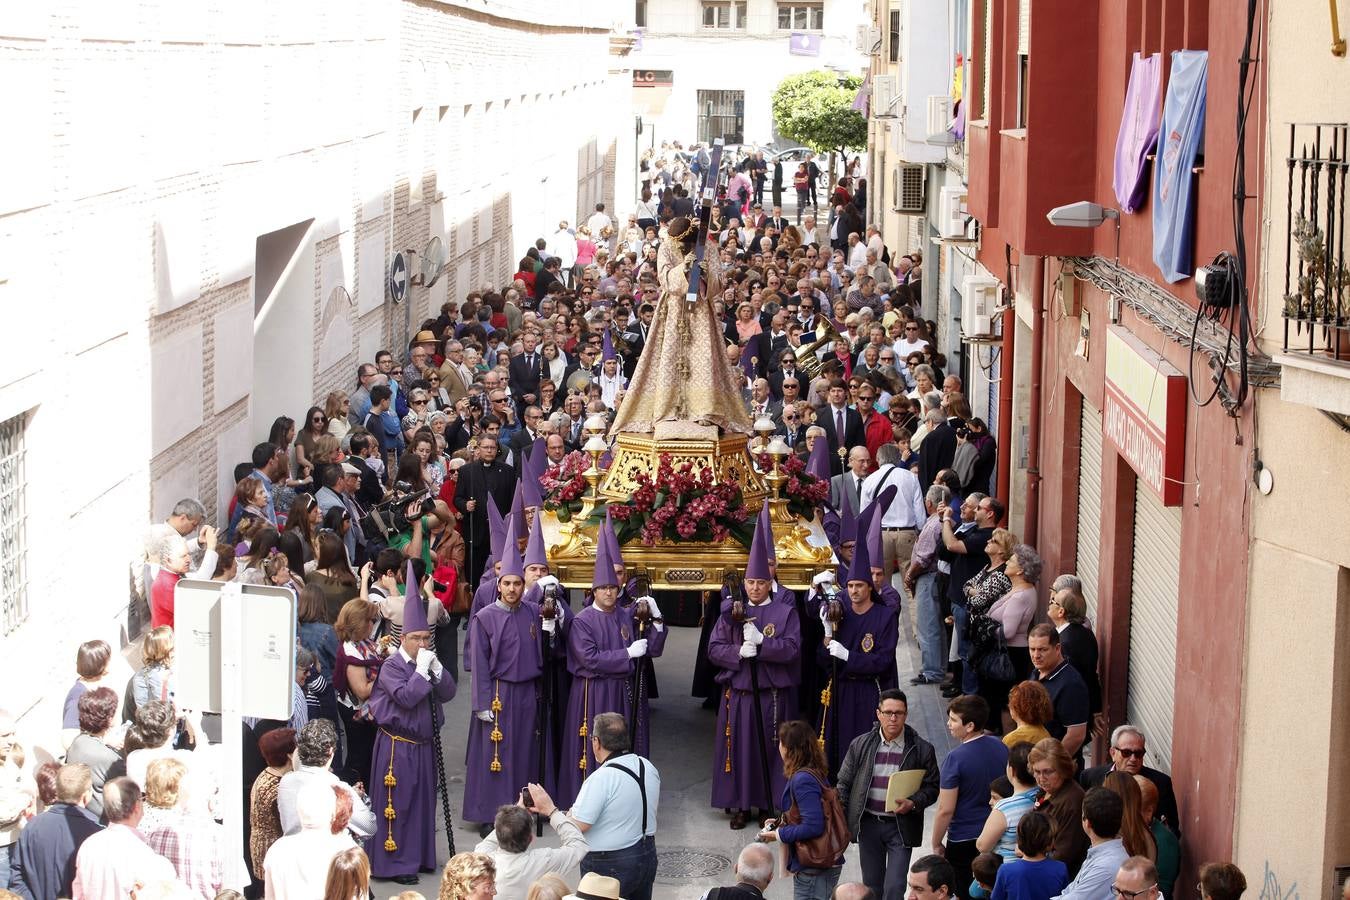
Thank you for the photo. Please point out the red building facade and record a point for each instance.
(1113, 377)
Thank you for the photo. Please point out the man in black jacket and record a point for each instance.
(485, 480)
(887, 836)
(370, 492)
(1127, 755)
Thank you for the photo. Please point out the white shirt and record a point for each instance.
(517, 871)
(110, 863)
(362, 821)
(564, 246)
(857, 256)
(907, 509)
(296, 866)
(808, 236)
(597, 223)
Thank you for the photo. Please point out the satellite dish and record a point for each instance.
(340, 296)
(433, 261)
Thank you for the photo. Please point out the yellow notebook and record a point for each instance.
(901, 786)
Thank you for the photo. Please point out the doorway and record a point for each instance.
(283, 326)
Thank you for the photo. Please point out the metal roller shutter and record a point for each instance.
(1156, 572)
(1088, 555)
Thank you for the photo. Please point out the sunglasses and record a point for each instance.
(318, 419)
(417, 403)
(1134, 754)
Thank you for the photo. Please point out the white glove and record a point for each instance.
(824, 578)
(436, 668)
(547, 581)
(651, 605)
(825, 622)
(752, 634)
(749, 650)
(424, 660)
(637, 648)
(484, 715)
(550, 625)
(838, 651)
(561, 609)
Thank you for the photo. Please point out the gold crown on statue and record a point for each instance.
(693, 224)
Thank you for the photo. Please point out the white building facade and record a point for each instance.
(226, 185)
(705, 69)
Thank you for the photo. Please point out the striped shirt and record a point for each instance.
(885, 764)
(1013, 808)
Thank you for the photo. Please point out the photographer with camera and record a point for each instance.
(432, 538)
(519, 865)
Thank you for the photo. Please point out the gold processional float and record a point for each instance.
(802, 548)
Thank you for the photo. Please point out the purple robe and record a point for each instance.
(870, 640)
(400, 706)
(507, 663)
(741, 784)
(485, 594)
(597, 658)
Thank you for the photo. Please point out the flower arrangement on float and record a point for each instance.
(682, 504)
(564, 485)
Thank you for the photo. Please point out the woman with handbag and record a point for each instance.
(814, 830)
(987, 656)
(1014, 612)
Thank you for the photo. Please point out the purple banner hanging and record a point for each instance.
(1138, 131)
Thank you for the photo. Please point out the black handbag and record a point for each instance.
(994, 664)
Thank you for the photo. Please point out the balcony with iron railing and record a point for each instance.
(1316, 311)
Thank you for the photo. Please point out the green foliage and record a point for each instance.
(816, 110)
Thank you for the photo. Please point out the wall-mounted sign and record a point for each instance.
(398, 278)
(1145, 413)
(650, 78)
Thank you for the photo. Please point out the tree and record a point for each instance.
(816, 110)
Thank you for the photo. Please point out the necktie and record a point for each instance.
(858, 483)
(529, 360)
(839, 426)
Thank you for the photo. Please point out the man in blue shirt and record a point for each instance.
(616, 809)
(1102, 812)
(963, 801)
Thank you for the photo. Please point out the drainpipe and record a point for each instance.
(1031, 534)
(1007, 356)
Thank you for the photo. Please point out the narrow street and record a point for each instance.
(695, 847)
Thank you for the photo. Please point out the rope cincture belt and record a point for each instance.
(390, 845)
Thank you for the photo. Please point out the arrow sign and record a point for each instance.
(398, 278)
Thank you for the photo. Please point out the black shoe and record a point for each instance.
(952, 692)
(404, 879)
(484, 830)
(738, 820)
(924, 679)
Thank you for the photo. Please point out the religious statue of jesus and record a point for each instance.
(683, 388)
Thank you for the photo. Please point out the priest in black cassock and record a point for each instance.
(484, 480)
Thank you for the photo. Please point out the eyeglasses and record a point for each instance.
(1135, 754)
(397, 373)
(319, 419)
(891, 713)
(495, 400)
(1130, 895)
(417, 403)
(911, 327)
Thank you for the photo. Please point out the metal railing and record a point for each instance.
(13, 525)
(1317, 273)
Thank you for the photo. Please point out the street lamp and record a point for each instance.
(1085, 214)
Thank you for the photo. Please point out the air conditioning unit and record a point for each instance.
(909, 181)
(939, 117)
(952, 213)
(980, 297)
(884, 96)
(867, 39)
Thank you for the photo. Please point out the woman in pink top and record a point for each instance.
(585, 248)
(1014, 611)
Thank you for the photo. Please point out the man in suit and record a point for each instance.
(939, 449)
(852, 480)
(836, 413)
(762, 402)
(369, 492)
(525, 370)
(455, 376)
(777, 220)
(575, 408)
(1127, 755)
(485, 480)
(522, 441)
(785, 370)
(584, 361)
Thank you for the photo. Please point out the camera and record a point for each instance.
(526, 798)
(390, 518)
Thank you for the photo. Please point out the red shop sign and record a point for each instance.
(1145, 413)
